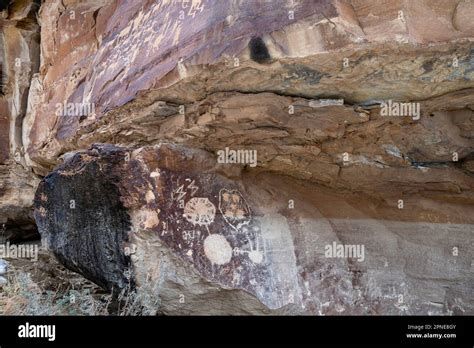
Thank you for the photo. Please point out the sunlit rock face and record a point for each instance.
(136, 63)
(297, 135)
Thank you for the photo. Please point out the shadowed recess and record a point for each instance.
(258, 50)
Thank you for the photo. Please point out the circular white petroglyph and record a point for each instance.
(256, 256)
(200, 211)
(217, 249)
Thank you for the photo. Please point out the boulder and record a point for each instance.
(171, 223)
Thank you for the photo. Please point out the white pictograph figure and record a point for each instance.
(254, 254)
(236, 213)
(199, 211)
(217, 249)
(178, 194)
(182, 190)
(192, 186)
(234, 208)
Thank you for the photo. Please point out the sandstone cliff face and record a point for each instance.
(136, 100)
(19, 60)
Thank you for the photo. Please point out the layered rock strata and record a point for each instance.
(354, 118)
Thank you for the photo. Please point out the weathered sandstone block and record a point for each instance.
(169, 221)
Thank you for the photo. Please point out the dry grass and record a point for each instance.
(22, 296)
(47, 288)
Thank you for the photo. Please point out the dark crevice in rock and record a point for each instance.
(258, 50)
(4, 5)
(19, 230)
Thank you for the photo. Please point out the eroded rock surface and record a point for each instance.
(173, 70)
(19, 60)
(196, 235)
(167, 85)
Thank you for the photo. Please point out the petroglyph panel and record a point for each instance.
(225, 243)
